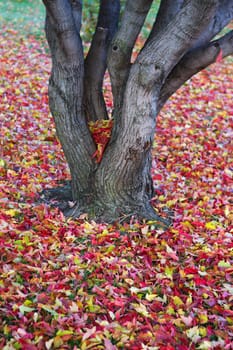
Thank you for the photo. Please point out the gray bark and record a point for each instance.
(126, 180)
(76, 6)
(121, 186)
(193, 62)
(95, 67)
(202, 53)
(66, 93)
(96, 60)
(223, 16)
(122, 45)
(168, 9)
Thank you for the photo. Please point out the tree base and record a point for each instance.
(58, 197)
(61, 197)
(101, 213)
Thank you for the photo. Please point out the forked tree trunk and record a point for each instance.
(120, 186)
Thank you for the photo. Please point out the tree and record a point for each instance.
(181, 43)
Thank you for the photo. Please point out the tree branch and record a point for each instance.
(76, 6)
(162, 53)
(62, 20)
(223, 16)
(122, 45)
(95, 66)
(168, 9)
(96, 60)
(193, 62)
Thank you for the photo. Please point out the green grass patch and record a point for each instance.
(26, 16)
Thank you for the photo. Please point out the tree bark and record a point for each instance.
(223, 16)
(96, 60)
(193, 62)
(66, 94)
(120, 186)
(122, 45)
(168, 9)
(123, 178)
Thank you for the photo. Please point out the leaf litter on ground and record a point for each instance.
(74, 284)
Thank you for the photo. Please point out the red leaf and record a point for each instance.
(220, 56)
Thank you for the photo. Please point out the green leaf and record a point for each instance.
(224, 264)
(24, 309)
(62, 332)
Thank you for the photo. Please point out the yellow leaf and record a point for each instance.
(12, 212)
(84, 345)
(90, 301)
(26, 240)
(202, 331)
(91, 306)
(57, 342)
(6, 330)
(180, 312)
(205, 295)
(110, 248)
(141, 309)
(62, 332)
(203, 318)
(229, 320)
(170, 203)
(187, 224)
(27, 302)
(182, 273)
(77, 261)
(169, 272)
(177, 301)
(178, 322)
(2, 163)
(151, 297)
(170, 310)
(211, 225)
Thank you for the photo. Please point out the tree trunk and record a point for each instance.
(66, 95)
(120, 186)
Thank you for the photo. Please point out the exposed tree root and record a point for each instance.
(58, 193)
(106, 214)
(61, 197)
(58, 197)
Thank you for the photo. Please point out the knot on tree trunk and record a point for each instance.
(149, 74)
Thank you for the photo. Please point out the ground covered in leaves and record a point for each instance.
(68, 284)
